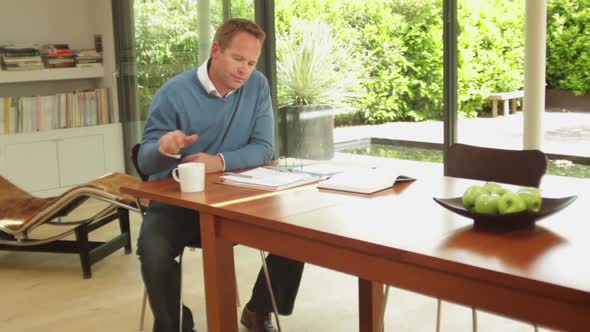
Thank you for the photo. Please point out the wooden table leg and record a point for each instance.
(370, 301)
(506, 108)
(220, 287)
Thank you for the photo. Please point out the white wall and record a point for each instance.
(46, 22)
(42, 22)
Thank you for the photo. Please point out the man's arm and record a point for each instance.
(161, 121)
(213, 162)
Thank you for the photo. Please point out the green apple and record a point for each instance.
(510, 203)
(471, 194)
(532, 190)
(486, 203)
(531, 197)
(495, 188)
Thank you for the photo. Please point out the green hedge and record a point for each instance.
(401, 44)
(568, 45)
(398, 66)
(491, 51)
(401, 41)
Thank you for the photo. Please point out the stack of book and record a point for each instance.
(63, 110)
(21, 58)
(267, 178)
(58, 56)
(88, 57)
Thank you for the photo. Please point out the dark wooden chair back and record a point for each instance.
(134, 156)
(518, 167)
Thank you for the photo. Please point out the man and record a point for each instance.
(219, 114)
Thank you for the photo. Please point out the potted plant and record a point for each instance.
(318, 76)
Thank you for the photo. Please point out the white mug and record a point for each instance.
(191, 177)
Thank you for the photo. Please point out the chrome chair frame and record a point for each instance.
(17, 234)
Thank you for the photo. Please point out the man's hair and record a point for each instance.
(226, 32)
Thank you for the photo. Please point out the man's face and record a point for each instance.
(231, 67)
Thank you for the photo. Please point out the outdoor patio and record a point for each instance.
(565, 133)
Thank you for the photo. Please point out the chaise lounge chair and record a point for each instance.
(29, 223)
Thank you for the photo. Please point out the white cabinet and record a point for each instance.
(47, 163)
(31, 165)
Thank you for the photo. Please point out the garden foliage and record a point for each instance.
(167, 40)
(568, 45)
(314, 67)
(400, 43)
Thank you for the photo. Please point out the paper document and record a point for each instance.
(267, 179)
(364, 181)
(321, 170)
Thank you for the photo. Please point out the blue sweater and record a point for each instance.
(239, 126)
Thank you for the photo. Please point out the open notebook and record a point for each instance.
(268, 178)
(364, 181)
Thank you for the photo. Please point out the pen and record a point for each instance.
(238, 174)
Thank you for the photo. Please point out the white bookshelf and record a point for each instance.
(49, 162)
(52, 74)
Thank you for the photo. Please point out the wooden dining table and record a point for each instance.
(400, 237)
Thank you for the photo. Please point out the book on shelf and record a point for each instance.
(63, 110)
(22, 59)
(57, 50)
(266, 178)
(58, 56)
(364, 180)
(21, 50)
(88, 58)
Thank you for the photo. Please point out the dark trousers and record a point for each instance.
(165, 231)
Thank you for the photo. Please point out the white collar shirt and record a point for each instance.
(203, 77)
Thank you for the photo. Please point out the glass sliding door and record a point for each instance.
(359, 77)
(566, 124)
(491, 73)
(492, 79)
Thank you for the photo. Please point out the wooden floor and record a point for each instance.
(46, 292)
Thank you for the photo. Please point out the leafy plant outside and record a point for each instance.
(314, 68)
(400, 44)
(166, 44)
(491, 52)
(568, 45)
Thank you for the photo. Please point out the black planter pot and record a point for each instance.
(307, 131)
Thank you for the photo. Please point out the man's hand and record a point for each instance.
(174, 141)
(213, 162)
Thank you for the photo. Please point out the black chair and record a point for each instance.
(134, 160)
(143, 205)
(517, 167)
